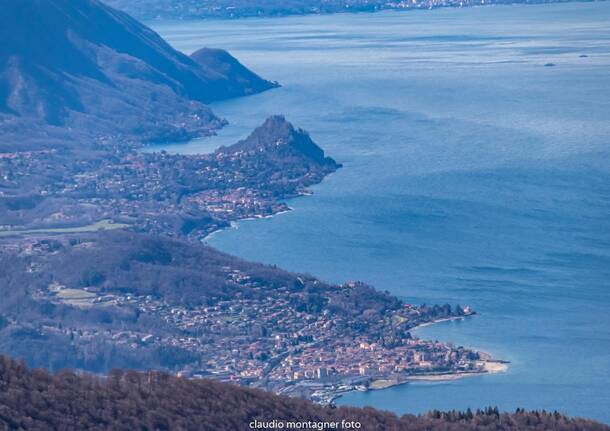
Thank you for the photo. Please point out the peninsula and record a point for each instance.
(141, 291)
(100, 243)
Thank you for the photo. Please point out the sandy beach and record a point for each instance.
(489, 367)
(446, 319)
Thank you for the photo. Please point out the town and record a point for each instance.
(275, 342)
(159, 192)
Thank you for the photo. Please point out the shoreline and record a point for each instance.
(489, 365)
(233, 224)
(444, 319)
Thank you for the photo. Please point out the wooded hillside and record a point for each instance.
(37, 400)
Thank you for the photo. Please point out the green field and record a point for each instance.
(99, 225)
(76, 297)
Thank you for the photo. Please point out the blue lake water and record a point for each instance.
(473, 174)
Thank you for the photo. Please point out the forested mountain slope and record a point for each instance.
(80, 69)
(37, 400)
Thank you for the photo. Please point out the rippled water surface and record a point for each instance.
(473, 174)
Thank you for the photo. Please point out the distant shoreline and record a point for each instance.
(237, 14)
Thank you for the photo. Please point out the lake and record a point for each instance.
(475, 145)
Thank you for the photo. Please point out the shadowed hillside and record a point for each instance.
(90, 70)
(239, 79)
